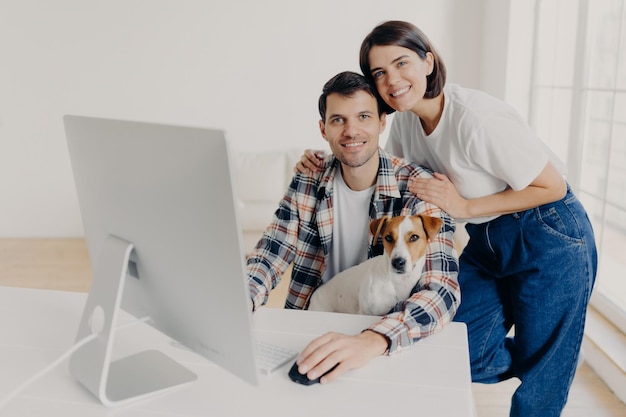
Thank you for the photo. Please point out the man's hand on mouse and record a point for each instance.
(347, 352)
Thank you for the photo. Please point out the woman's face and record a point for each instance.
(400, 75)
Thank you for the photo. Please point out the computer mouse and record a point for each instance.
(296, 376)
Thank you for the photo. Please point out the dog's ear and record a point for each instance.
(432, 225)
(375, 228)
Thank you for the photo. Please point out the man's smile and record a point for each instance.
(353, 144)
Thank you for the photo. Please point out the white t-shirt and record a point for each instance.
(350, 227)
(481, 144)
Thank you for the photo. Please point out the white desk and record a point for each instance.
(37, 326)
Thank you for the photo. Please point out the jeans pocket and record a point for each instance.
(558, 220)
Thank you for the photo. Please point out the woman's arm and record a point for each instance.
(547, 187)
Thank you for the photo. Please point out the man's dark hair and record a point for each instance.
(346, 84)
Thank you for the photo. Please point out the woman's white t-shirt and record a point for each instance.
(481, 144)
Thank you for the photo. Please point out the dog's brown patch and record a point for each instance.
(416, 236)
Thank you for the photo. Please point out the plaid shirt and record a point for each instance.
(302, 230)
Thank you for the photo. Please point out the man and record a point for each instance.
(321, 226)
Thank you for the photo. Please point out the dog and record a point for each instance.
(375, 286)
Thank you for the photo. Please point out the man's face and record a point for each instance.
(352, 127)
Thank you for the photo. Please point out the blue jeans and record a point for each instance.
(533, 270)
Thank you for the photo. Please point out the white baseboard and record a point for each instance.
(604, 347)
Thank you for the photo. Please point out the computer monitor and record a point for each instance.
(162, 229)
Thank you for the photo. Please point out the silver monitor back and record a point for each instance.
(160, 219)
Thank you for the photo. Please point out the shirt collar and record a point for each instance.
(386, 186)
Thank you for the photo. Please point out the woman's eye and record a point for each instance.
(378, 74)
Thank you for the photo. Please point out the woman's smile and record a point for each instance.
(398, 93)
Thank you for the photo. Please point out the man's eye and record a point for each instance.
(337, 120)
(365, 116)
(402, 63)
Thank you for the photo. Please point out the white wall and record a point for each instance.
(254, 68)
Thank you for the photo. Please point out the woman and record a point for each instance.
(531, 259)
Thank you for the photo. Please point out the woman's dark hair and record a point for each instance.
(406, 35)
(346, 84)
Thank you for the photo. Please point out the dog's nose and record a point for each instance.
(398, 264)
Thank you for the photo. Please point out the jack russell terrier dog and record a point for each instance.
(375, 286)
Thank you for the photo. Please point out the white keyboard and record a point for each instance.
(270, 357)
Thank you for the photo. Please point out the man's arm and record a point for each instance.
(346, 352)
(427, 310)
(424, 313)
(275, 251)
(435, 301)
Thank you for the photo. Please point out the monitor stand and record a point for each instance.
(127, 379)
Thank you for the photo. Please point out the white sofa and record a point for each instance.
(261, 180)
